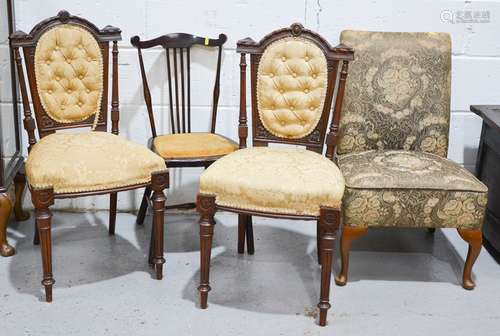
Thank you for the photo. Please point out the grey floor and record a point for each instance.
(402, 282)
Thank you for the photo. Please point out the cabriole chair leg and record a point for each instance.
(348, 235)
(329, 224)
(206, 207)
(475, 239)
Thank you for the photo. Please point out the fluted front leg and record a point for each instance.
(206, 207)
(159, 181)
(329, 224)
(42, 199)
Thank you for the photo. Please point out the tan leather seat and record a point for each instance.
(78, 162)
(276, 180)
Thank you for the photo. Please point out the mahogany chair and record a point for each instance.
(393, 143)
(294, 72)
(66, 59)
(182, 148)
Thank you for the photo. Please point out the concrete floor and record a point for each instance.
(402, 282)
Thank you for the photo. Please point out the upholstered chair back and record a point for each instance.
(291, 87)
(398, 93)
(69, 73)
(294, 72)
(67, 64)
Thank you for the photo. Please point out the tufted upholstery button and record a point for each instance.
(80, 103)
(302, 122)
(314, 75)
(63, 107)
(306, 90)
(58, 78)
(56, 48)
(292, 107)
(68, 91)
(306, 58)
(273, 107)
(294, 74)
(89, 59)
(283, 58)
(281, 91)
(49, 91)
(271, 74)
(282, 123)
(88, 90)
(80, 46)
(47, 62)
(80, 77)
(311, 108)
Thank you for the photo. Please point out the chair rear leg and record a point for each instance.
(475, 240)
(329, 224)
(112, 213)
(42, 199)
(249, 235)
(242, 227)
(206, 207)
(348, 235)
(144, 206)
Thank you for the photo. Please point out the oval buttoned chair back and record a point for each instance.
(293, 74)
(66, 59)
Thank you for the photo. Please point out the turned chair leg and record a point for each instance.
(159, 181)
(475, 239)
(5, 210)
(348, 235)
(206, 207)
(112, 213)
(329, 224)
(42, 199)
(19, 186)
(144, 206)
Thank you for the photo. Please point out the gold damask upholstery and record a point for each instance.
(291, 87)
(186, 145)
(410, 189)
(275, 180)
(90, 161)
(69, 73)
(397, 93)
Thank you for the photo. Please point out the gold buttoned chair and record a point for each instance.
(66, 59)
(293, 75)
(393, 143)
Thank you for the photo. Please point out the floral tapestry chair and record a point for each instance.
(393, 143)
(67, 61)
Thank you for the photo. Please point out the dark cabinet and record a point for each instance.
(488, 171)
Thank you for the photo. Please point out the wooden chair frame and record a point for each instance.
(178, 58)
(329, 219)
(44, 198)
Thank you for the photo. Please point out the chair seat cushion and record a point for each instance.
(410, 189)
(192, 145)
(91, 161)
(274, 180)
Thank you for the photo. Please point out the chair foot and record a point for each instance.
(329, 224)
(475, 239)
(348, 235)
(207, 208)
(6, 250)
(48, 283)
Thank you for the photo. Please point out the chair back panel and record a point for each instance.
(69, 73)
(178, 58)
(292, 79)
(293, 74)
(398, 93)
(67, 63)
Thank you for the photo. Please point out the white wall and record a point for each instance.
(476, 57)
